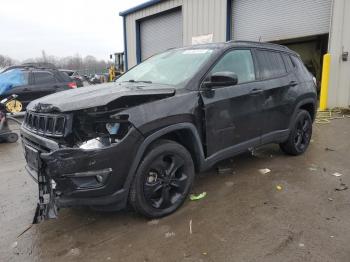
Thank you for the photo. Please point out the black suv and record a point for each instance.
(37, 80)
(141, 139)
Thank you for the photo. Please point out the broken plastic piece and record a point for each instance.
(224, 170)
(194, 197)
(337, 174)
(264, 171)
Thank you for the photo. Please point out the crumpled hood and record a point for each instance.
(96, 95)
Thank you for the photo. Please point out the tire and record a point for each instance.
(12, 138)
(163, 180)
(300, 135)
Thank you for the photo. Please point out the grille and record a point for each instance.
(45, 124)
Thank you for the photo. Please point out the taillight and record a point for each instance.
(72, 85)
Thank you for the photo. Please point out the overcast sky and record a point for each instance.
(62, 27)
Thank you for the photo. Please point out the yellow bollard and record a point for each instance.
(325, 81)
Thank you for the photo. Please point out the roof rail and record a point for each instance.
(32, 65)
(258, 43)
(40, 65)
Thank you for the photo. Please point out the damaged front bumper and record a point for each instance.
(70, 177)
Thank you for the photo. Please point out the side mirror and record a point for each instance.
(221, 79)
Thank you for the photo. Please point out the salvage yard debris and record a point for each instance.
(264, 171)
(337, 174)
(279, 188)
(342, 187)
(153, 222)
(195, 197)
(224, 170)
(169, 234)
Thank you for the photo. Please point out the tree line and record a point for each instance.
(84, 65)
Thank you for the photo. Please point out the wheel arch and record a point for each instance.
(310, 107)
(185, 134)
(308, 104)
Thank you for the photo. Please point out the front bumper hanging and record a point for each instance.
(46, 207)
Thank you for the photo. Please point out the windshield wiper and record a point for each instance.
(139, 81)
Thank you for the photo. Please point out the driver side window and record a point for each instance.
(239, 62)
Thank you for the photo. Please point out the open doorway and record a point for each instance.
(311, 50)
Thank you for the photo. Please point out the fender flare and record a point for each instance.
(297, 107)
(159, 133)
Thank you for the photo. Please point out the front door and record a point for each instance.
(233, 114)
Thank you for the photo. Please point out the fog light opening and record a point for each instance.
(101, 178)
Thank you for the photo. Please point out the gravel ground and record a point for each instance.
(293, 213)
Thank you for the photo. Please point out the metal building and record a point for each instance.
(310, 27)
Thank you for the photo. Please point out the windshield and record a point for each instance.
(170, 68)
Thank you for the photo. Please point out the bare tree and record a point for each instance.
(85, 65)
(6, 61)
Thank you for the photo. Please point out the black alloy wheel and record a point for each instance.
(303, 133)
(163, 179)
(300, 135)
(165, 183)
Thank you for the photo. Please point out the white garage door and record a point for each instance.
(160, 33)
(269, 20)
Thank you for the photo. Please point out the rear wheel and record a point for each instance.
(300, 136)
(163, 180)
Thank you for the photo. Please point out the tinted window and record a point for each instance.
(299, 64)
(271, 64)
(239, 62)
(44, 78)
(288, 62)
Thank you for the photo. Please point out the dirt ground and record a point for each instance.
(244, 217)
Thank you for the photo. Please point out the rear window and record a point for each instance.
(44, 78)
(288, 62)
(299, 64)
(69, 73)
(270, 64)
(63, 77)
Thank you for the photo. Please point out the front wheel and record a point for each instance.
(163, 180)
(300, 135)
(12, 138)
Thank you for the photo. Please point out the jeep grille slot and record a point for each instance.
(45, 124)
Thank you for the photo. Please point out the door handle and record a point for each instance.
(256, 91)
(293, 83)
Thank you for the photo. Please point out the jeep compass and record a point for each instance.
(140, 140)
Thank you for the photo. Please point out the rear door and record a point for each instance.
(278, 84)
(43, 83)
(233, 113)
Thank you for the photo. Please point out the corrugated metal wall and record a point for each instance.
(200, 17)
(271, 20)
(339, 42)
(161, 32)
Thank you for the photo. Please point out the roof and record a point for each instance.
(139, 7)
(26, 66)
(234, 43)
(260, 44)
